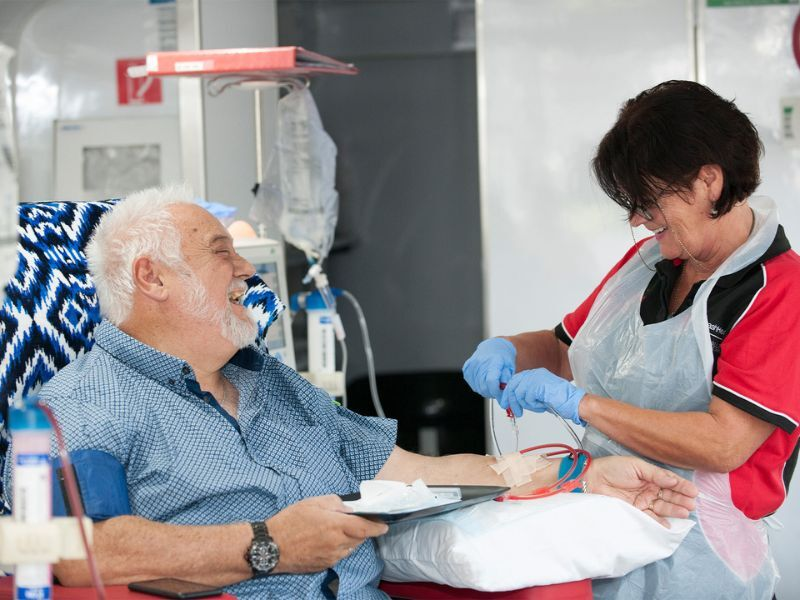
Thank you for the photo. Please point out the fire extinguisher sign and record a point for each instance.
(136, 90)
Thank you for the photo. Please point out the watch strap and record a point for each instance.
(260, 533)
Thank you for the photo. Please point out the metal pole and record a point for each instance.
(259, 137)
(191, 101)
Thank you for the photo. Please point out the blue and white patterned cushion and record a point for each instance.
(50, 308)
(50, 311)
(264, 306)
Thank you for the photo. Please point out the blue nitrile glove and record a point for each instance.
(539, 388)
(491, 364)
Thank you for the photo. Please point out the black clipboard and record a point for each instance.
(470, 494)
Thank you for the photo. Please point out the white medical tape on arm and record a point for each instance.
(516, 468)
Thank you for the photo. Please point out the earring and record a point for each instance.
(714, 212)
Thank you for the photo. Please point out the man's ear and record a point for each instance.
(147, 279)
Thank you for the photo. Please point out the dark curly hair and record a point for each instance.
(663, 137)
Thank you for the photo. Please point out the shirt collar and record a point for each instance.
(779, 245)
(669, 268)
(155, 364)
(248, 358)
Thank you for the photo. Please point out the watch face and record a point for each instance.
(264, 555)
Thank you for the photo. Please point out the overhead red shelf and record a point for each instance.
(253, 63)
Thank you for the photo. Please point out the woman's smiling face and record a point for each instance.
(681, 221)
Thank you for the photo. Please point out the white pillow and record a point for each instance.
(499, 546)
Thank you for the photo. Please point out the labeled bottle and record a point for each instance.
(32, 496)
(321, 335)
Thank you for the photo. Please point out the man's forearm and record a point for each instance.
(456, 469)
(132, 549)
(312, 535)
(473, 469)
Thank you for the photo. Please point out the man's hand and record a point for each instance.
(658, 492)
(316, 533)
(538, 390)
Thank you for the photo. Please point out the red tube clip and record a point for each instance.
(509, 412)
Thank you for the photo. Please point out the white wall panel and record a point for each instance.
(66, 69)
(552, 76)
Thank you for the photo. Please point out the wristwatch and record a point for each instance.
(263, 553)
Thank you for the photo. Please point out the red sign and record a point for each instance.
(136, 90)
(796, 40)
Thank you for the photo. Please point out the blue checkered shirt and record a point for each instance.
(188, 462)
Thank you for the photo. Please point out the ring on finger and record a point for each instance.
(660, 493)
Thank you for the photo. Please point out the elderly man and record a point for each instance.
(231, 461)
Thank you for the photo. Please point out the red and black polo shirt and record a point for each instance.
(754, 326)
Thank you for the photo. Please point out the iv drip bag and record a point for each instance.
(298, 192)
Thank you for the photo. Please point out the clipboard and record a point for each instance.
(470, 494)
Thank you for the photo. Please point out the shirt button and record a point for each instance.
(171, 381)
(186, 370)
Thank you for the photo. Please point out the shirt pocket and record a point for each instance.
(306, 453)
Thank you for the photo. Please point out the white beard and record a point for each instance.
(240, 332)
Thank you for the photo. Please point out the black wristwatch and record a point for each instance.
(263, 553)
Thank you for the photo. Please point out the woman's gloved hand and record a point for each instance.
(539, 389)
(492, 363)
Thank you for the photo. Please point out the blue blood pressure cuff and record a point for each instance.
(102, 486)
(566, 464)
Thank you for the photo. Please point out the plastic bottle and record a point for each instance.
(32, 499)
(321, 335)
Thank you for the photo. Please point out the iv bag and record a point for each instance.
(298, 192)
(9, 190)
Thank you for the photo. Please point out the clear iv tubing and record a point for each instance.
(567, 426)
(327, 297)
(315, 272)
(510, 415)
(343, 350)
(491, 426)
(567, 482)
(75, 501)
(373, 385)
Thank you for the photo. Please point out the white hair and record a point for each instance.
(239, 332)
(140, 225)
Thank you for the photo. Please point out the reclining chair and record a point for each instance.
(48, 319)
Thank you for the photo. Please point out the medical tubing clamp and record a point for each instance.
(571, 477)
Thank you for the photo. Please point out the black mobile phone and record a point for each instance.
(175, 588)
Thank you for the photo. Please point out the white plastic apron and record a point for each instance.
(667, 366)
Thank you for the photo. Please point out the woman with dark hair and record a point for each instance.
(685, 353)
